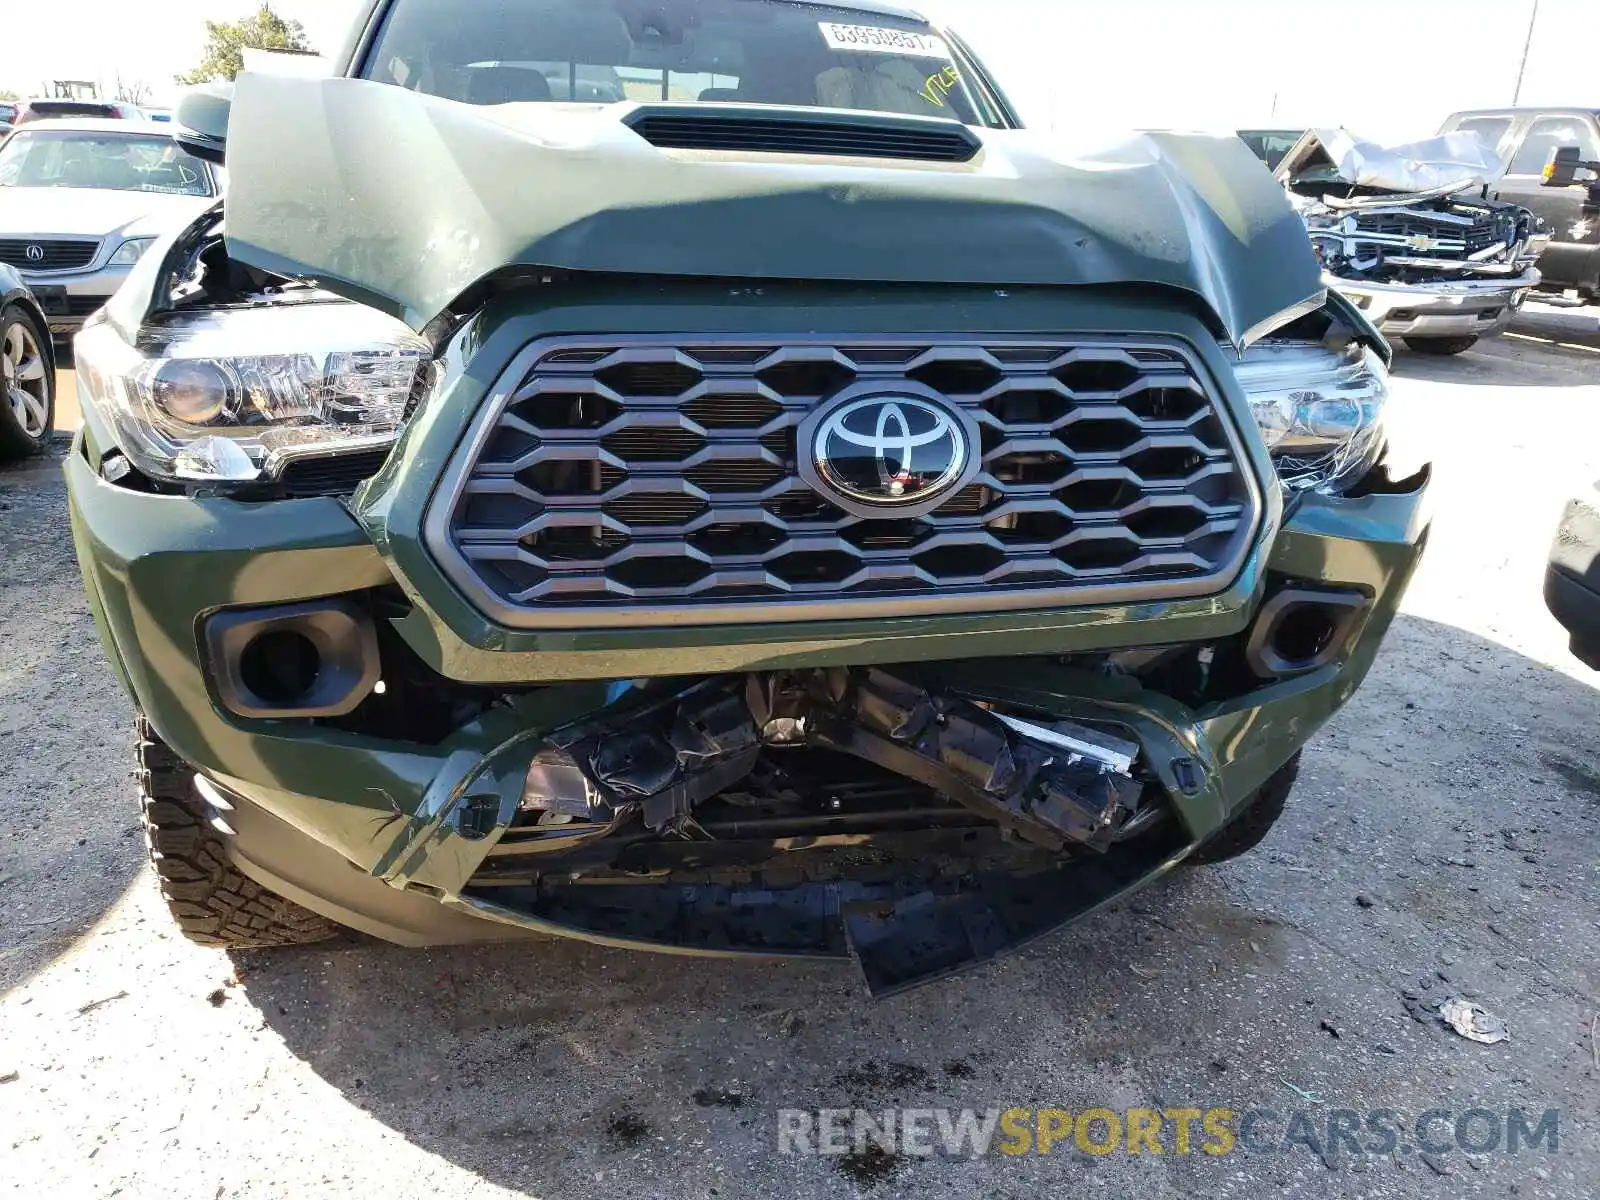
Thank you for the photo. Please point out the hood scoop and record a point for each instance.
(759, 129)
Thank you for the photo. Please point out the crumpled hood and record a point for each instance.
(404, 201)
(1439, 165)
(92, 212)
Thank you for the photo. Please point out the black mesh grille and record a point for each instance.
(661, 472)
(53, 255)
(739, 132)
(330, 475)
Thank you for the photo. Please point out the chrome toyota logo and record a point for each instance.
(890, 449)
(34, 253)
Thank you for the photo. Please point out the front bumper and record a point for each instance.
(386, 836)
(1443, 308)
(1572, 580)
(69, 298)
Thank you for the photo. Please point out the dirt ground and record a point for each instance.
(1443, 841)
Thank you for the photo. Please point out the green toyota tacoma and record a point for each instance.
(697, 475)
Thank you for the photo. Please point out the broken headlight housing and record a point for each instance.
(231, 395)
(1319, 409)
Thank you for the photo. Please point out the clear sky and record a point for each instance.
(1389, 68)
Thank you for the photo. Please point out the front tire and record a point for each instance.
(1246, 831)
(212, 903)
(1441, 347)
(27, 385)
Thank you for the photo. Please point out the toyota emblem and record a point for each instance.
(34, 253)
(880, 451)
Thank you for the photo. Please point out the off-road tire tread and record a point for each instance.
(1246, 831)
(15, 444)
(212, 903)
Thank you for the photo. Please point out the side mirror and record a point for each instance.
(201, 121)
(1562, 170)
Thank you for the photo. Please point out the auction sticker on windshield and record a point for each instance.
(872, 39)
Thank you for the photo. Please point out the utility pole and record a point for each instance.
(1522, 70)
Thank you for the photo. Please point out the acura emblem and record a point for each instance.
(881, 451)
(34, 253)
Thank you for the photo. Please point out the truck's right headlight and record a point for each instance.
(228, 396)
(1319, 408)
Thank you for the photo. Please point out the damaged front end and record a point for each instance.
(693, 551)
(906, 821)
(1412, 234)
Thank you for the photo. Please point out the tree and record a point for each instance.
(134, 91)
(8, 94)
(226, 42)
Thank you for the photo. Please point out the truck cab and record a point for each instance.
(1527, 140)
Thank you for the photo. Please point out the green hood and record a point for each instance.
(404, 201)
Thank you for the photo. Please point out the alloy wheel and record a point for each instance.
(23, 378)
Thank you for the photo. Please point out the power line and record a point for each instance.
(1522, 70)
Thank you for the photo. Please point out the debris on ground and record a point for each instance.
(1472, 1021)
(84, 1009)
(1327, 1027)
(1364, 901)
(1308, 1097)
(217, 997)
(786, 1021)
(10, 1077)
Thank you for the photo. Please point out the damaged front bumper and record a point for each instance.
(639, 814)
(1440, 308)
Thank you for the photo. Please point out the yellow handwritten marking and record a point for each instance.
(940, 84)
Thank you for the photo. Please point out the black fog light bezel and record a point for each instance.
(338, 633)
(1343, 615)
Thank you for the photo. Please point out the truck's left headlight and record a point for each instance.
(1319, 409)
(230, 395)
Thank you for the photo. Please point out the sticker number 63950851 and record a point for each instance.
(873, 39)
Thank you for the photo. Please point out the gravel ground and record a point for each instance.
(1443, 841)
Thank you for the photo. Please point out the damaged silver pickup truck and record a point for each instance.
(1413, 235)
(773, 506)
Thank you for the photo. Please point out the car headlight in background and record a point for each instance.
(1319, 408)
(231, 395)
(130, 252)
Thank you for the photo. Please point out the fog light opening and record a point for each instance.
(1300, 630)
(1304, 633)
(281, 667)
(316, 659)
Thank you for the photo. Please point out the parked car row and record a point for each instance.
(1442, 241)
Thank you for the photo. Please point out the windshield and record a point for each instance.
(1270, 146)
(114, 161)
(607, 51)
